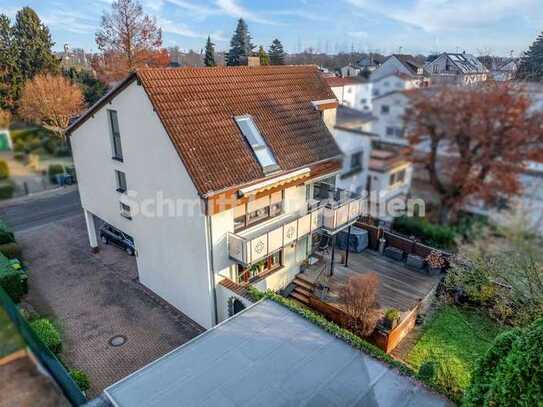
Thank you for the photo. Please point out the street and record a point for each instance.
(28, 213)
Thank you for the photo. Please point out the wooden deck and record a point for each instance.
(399, 286)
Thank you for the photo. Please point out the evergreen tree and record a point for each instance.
(263, 56)
(240, 44)
(277, 53)
(209, 58)
(32, 43)
(531, 63)
(11, 81)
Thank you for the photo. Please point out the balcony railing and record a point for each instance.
(330, 212)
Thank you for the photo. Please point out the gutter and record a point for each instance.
(211, 270)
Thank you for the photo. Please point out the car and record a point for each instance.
(110, 234)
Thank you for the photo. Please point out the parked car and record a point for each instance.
(109, 234)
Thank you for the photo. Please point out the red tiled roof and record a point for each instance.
(339, 81)
(197, 106)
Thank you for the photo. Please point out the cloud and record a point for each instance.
(185, 31)
(307, 15)
(71, 21)
(195, 8)
(233, 9)
(449, 15)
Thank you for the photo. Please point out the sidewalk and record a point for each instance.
(49, 193)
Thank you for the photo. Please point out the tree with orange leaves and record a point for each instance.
(128, 39)
(473, 142)
(51, 100)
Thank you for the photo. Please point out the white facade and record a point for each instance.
(350, 70)
(356, 148)
(389, 111)
(356, 95)
(384, 185)
(391, 66)
(456, 69)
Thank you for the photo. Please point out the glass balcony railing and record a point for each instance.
(330, 211)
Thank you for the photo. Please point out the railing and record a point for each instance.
(328, 215)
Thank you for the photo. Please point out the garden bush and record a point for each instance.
(442, 237)
(81, 379)
(11, 250)
(4, 170)
(53, 171)
(427, 371)
(14, 283)
(6, 189)
(48, 334)
(6, 235)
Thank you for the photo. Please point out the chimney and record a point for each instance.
(249, 61)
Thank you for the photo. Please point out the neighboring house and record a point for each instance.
(350, 70)
(397, 82)
(236, 154)
(354, 92)
(389, 110)
(506, 71)
(456, 69)
(398, 64)
(74, 58)
(370, 62)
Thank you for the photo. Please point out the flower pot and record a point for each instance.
(434, 271)
(390, 324)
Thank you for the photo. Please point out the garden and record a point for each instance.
(14, 284)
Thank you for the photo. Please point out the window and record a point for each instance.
(125, 211)
(390, 131)
(399, 132)
(115, 135)
(349, 89)
(363, 101)
(356, 161)
(385, 109)
(258, 210)
(267, 265)
(121, 181)
(376, 92)
(260, 148)
(397, 178)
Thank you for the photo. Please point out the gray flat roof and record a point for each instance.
(268, 356)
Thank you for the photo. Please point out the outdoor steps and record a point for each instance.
(302, 282)
(300, 297)
(303, 289)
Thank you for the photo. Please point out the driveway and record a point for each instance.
(95, 297)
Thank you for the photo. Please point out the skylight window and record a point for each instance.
(256, 141)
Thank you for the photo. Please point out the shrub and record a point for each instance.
(48, 334)
(442, 237)
(11, 250)
(4, 170)
(53, 171)
(80, 378)
(14, 284)
(6, 189)
(427, 371)
(6, 235)
(392, 314)
(359, 298)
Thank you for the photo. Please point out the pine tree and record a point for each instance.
(209, 58)
(531, 63)
(240, 44)
(32, 43)
(263, 56)
(277, 53)
(11, 81)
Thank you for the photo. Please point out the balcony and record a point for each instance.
(331, 211)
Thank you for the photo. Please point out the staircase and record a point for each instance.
(303, 289)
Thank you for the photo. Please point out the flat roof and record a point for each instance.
(268, 356)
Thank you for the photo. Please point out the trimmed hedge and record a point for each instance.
(11, 250)
(53, 171)
(6, 189)
(441, 237)
(48, 334)
(4, 170)
(14, 284)
(81, 379)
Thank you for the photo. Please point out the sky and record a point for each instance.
(500, 27)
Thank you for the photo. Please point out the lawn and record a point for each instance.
(10, 340)
(455, 337)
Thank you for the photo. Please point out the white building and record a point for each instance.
(352, 92)
(398, 64)
(212, 172)
(350, 70)
(506, 70)
(456, 69)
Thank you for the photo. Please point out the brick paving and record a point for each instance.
(94, 297)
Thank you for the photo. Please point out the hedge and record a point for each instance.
(81, 379)
(53, 171)
(11, 250)
(6, 189)
(14, 283)
(6, 235)
(48, 334)
(441, 237)
(4, 170)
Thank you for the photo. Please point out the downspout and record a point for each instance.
(211, 268)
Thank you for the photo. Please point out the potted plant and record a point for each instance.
(392, 318)
(436, 262)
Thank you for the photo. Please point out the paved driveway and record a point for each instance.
(95, 297)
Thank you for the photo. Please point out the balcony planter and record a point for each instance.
(391, 319)
(436, 262)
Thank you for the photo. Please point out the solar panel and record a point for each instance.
(261, 150)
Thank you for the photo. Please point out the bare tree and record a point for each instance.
(128, 38)
(51, 100)
(359, 299)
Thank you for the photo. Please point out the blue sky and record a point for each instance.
(418, 26)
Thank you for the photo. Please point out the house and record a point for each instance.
(506, 70)
(398, 64)
(218, 174)
(268, 355)
(370, 62)
(456, 69)
(350, 70)
(354, 92)
(389, 110)
(397, 82)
